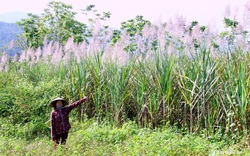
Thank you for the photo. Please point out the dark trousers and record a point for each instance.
(60, 139)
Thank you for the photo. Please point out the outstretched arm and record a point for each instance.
(75, 104)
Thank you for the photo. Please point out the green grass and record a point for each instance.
(90, 138)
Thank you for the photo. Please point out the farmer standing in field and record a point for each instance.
(59, 119)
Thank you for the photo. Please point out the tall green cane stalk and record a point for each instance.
(119, 88)
(95, 66)
(198, 83)
(161, 74)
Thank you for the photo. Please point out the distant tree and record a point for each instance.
(93, 15)
(61, 24)
(230, 23)
(57, 23)
(229, 34)
(33, 30)
(134, 26)
(96, 21)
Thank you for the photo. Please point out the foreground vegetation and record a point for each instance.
(91, 138)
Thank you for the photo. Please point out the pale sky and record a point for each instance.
(204, 11)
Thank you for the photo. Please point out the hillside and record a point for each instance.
(13, 17)
(8, 32)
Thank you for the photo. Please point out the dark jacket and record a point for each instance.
(60, 119)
